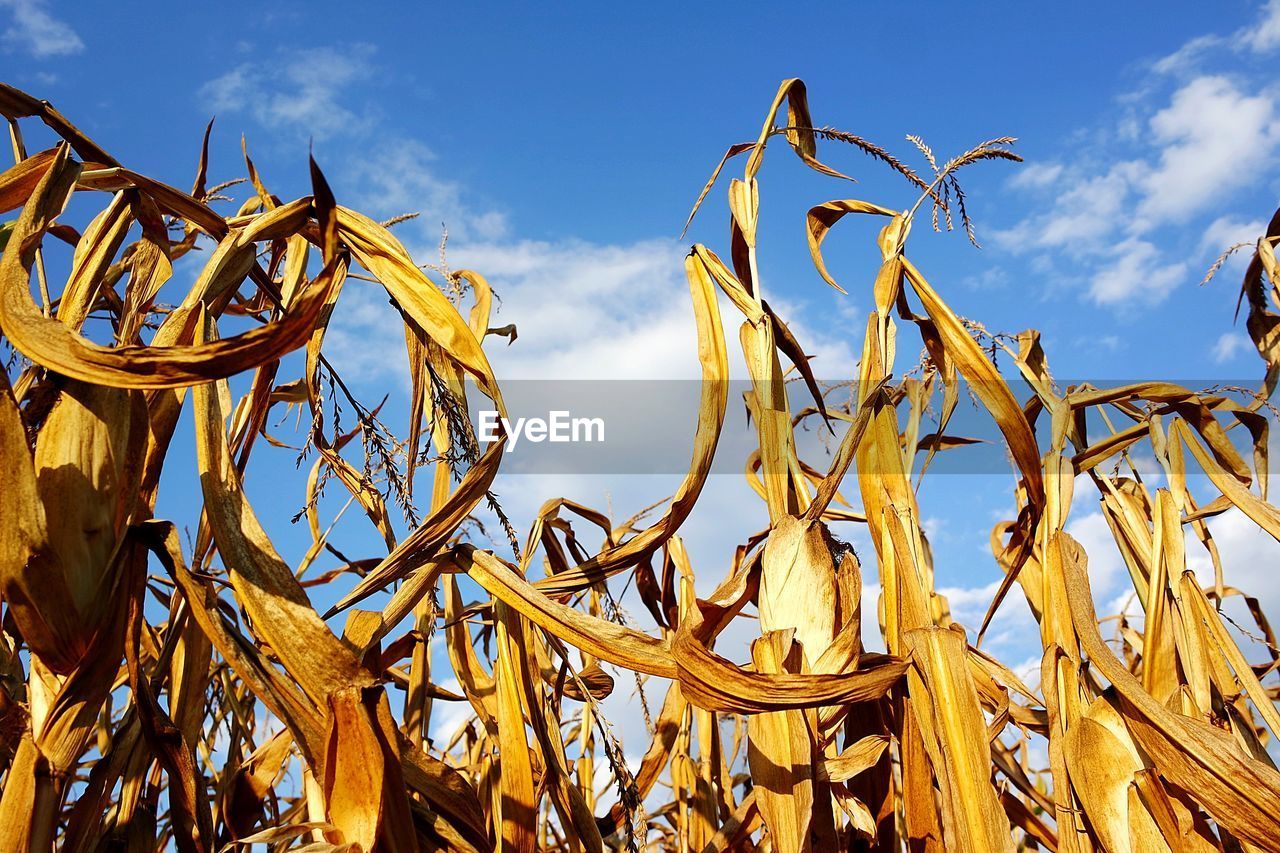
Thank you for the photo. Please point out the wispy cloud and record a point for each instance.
(1264, 36)
(1084, 212)
(300, 91)
(1211, 137)
(589, 310)
(1036, 175)
(1227, 231)
(1186, 57)
(1228, 346)
(393, 176)
(1135, 271)
(33, 30)
(1176, 151)
(583, 311)
(1233, 237)
(310, 93)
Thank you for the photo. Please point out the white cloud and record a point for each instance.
(1247, 552)
(1249, 556)
(1106, 566)
(1135, 272)
(366, 336)
(1124, 603)
(582, 310)
(1264, 36)
(991, 278)
(1111, 343)
(1028, 671)
(1086, 212)
(37, 32)
(1207, 138)
(299, 91)
(969, 600)
(594, 311)
(1211, 136)
(1090, 209)
(1185, 58)
(589, 311)
(307, 93)
(1228, 345)
(394, 176)
(1036, 175)
(1225, 232)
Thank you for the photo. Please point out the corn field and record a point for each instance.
(179, 690)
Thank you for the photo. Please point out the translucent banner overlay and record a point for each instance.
(648, 426)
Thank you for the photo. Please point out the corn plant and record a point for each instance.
(168, 682)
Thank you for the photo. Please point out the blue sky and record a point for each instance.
(564, 146)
